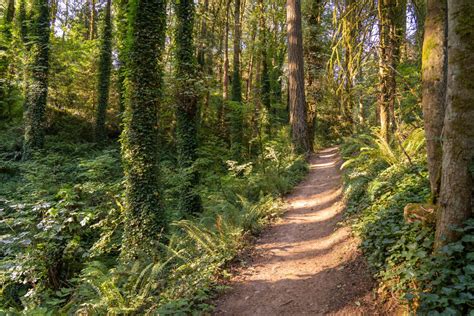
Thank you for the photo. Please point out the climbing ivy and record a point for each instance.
(187, 106)
(144, 216)
(37, 83)
(103, 83)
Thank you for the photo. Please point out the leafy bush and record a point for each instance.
(378, 184)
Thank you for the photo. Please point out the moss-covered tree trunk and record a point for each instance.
(144, 214)
(187, 107)
(37, 77)
(457, 183)
(389, 13)
(296, 88)
(434, 87)
(103, 83)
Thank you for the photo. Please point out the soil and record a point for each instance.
(307, 263)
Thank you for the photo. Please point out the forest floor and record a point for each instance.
(307, 263)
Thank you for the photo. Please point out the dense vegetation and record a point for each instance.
(144, 141)
(379, 183)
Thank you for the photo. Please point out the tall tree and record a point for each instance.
(37, 77)
(92, 20)
(434, 86)
(392, 14)
(296, 92)
(5, 43)
(121, 10)
(187, 107)
(105, 66)
(236, 80)
(22, 21)
(314, 51)
(266, 88)
(144, 215)
(236, 96)
(457, 180)
(225, 74)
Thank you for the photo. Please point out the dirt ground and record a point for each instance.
(307, 263)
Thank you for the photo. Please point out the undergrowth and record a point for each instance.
(380, 180)
(61, 228)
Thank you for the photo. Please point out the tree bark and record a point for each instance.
(144, 215)
(103, 84)
(434, 87)
(187, 108)
(236, 80)
(388, 56)
(456, 195)
(225, 80)
(296, 92)
(37, 78)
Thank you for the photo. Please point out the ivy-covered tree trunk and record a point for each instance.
(225, 74)
(144, 215)
(236, 80)
(5, 57)
(457, 180)
(103, 84)
(22, 21)
(187, 107)
(121, 10)
(37, 77)
(314, 61)
(296, 92)
(434, 87)
(236, 96)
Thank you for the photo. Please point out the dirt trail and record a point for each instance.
(305, 264)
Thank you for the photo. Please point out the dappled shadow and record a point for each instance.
(305, 264)
(331, 290)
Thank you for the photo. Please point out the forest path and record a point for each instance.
(306, 263)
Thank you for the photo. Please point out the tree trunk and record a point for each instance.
(387, 64)
(236, 132)
(434, 87)
(121, 35)
(187, 108)
(225, 79)
(144, 215)
(296, 93)
(103, 84)
(92, 21)
(236, 80)
(456, 195)
(37, 78)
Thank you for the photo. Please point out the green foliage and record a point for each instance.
(62, 224)
(379, 182)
